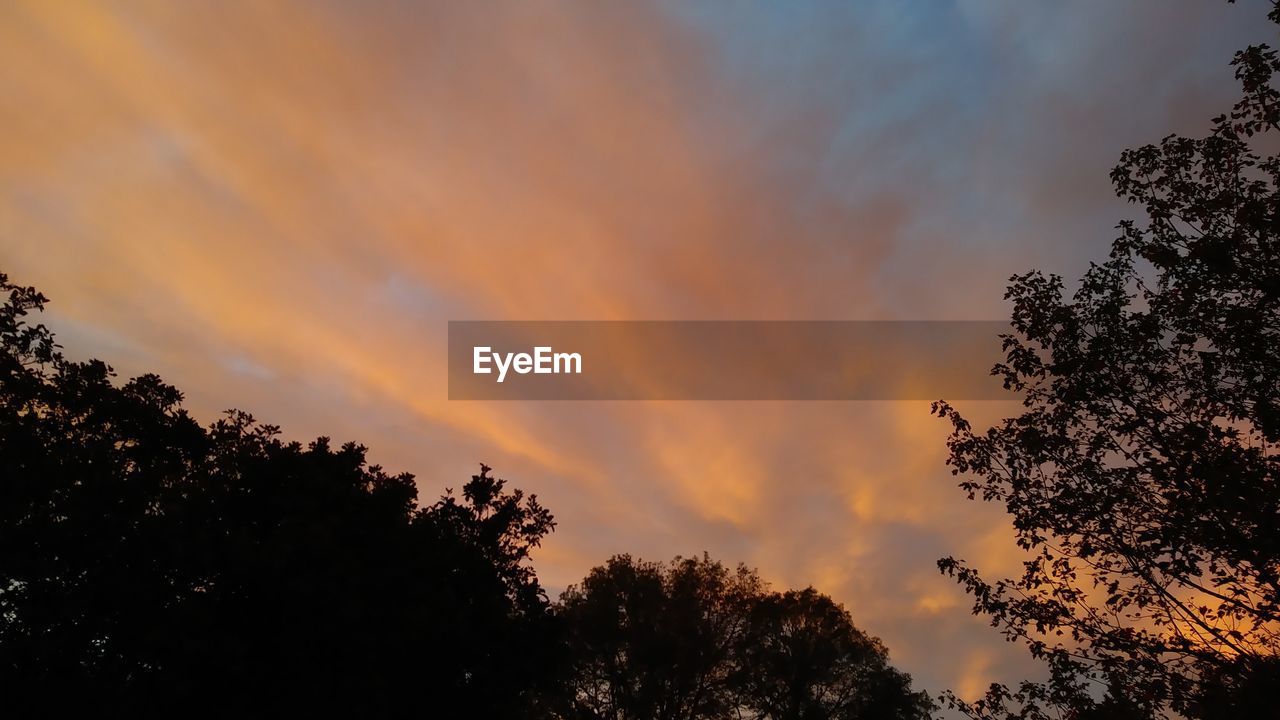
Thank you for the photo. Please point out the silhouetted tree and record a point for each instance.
(694, 640)
(656, 641)
(1143, 475)
(803, 658)
(150, 565)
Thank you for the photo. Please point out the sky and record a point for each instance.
(277, 206)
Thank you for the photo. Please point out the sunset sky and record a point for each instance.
(278, 206)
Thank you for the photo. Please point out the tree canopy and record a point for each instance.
(151, 565)
(694, 639)
(1142, 475)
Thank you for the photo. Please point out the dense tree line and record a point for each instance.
(1143, 475)
(151, 565)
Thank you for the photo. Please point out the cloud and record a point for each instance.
(278, 207)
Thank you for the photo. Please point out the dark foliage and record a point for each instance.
(1142, 476)
(693, 639)
(804, 658)
(150, 565)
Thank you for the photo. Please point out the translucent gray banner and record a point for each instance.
(724, 360)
